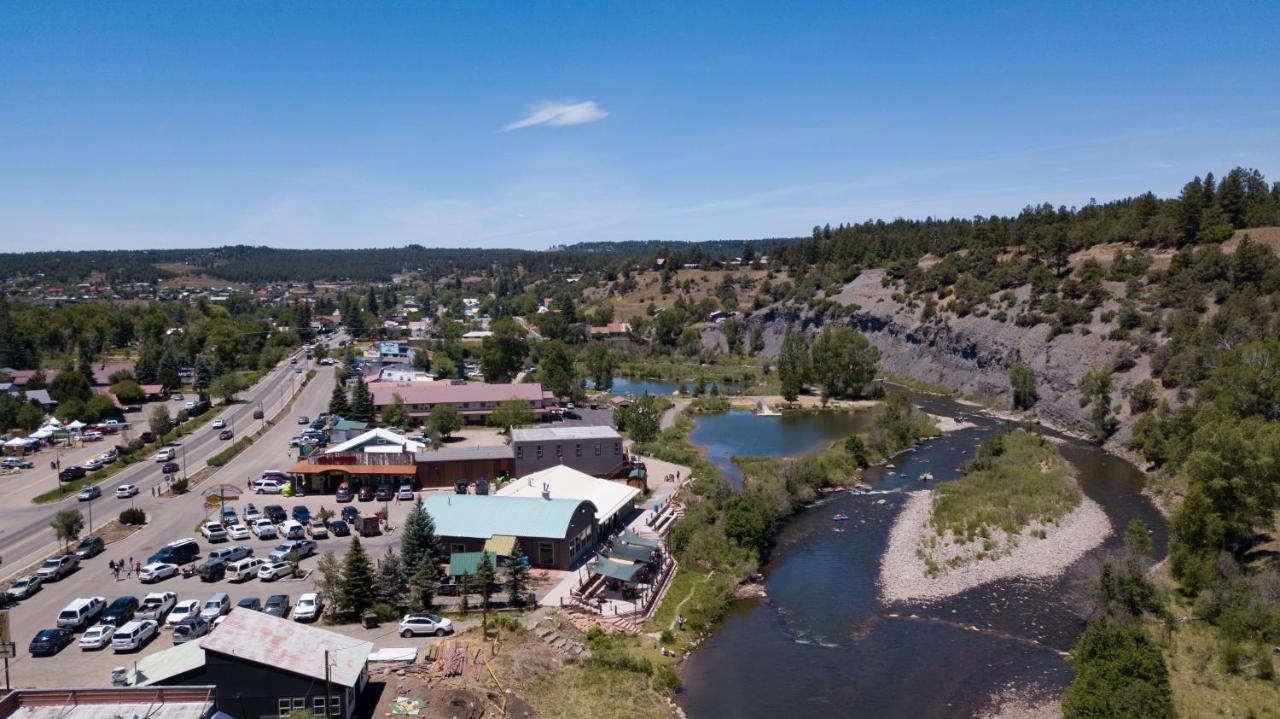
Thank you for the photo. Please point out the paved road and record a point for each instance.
(25, 536)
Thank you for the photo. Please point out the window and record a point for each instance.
(300, 704)
(457, 547)
(546, 553)
(559, 451)
(519, 452)
(284, 707)
(317, 706)
(539, 451)
(597, 449)
(617, 448)
(578, 450)
(335, 705)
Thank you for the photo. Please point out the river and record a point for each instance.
(822, 645)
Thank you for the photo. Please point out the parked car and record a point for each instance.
(166, 455)
(156, 605)
(264, 529)
(228, 515)
(81, 612)
(251, 514)
(214, 532)
(48, 642)
(120, 611)
(216, 606)
(422, 623)
(277, 606)
(365, 494)
(169, 468)
(252, 603)
(309, 608)
(316, 530)
(17, 463)
(301, 514)
(218, 423)
(92, 463)
(182, 610)
(237, 532)
(191, 628)
(383, 494)
(405, 493)
(287, 552)
(179, 551)
(274, 570)
(243, 569)
(213, 570)
(156, 571)
(231, 554)
(134, 635)
(72, 473)
(343, 494)
(90, 547)
(226, 434)
(290, 529)
(340, 528)
(275, 513)
(303, 419)
(97, 636)
(57, 567)
(351, 513)
(91, 492)
(126, 491)
(147, 437)
(268, 486)
(24, 586)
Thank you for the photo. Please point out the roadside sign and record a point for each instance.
(8, 650)
(4, 627)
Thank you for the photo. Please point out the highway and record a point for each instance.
(25, 535)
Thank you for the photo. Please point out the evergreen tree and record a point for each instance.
(204, 374)
(424, 585)
(362, 409)
(517, 577)
(486, 576)
(418, 542)
(338, 406)
(357, 579)
(391, 587)
(793, 366)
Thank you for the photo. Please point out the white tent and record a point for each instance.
(52, 424)
(77, 424)
(42, 433)
(16, 442)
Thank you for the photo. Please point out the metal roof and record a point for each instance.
(110, 703)
(545, 434)
(480, 517)
(288, 646)
(456, 454)
(168, 663)
(447, 392)
(503, 544)
(568, 483)
(377, 436)
(461, 563)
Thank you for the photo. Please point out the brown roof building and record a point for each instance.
(474, 400)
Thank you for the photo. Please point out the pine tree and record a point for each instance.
(425, 583)
(361, 402)
(392, 584)
(486, 575)
(517, 577)
(419, 542)
(338, 406)
(357, 579)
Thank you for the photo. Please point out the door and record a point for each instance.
(546, 554)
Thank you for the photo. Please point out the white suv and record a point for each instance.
(134, 635)
(166, 455)
(309, 608)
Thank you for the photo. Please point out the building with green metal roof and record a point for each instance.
(554, 533)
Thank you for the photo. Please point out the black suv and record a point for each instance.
(120, 611)
(275, 513)
(213, 570)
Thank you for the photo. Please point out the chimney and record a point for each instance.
(546, 491)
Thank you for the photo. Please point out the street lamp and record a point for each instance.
(184, 461)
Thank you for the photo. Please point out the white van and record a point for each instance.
(81, 612)
(243, 569)
(268, 486)
(133, 635)
(166, 455)
(293, 530)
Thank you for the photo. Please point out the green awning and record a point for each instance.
(461, 563)
(637, 474)
(504, 545)
(631, 552)
(631, 537)
(615, 570)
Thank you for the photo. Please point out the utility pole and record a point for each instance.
(328, 690)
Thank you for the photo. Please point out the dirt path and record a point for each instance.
(684, 601)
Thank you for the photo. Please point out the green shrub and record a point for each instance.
(179, 486)
(133, 517)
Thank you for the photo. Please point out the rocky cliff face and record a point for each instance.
(969, 354)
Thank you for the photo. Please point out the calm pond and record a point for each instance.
(822, 645)
(740, 432)
(630, 385)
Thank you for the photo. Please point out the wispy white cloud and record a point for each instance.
(560, 114)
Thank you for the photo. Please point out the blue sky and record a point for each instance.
(312, 124)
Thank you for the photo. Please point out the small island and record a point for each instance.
(1017, 512)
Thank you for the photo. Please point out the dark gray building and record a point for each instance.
(595, 450)
(265, 667)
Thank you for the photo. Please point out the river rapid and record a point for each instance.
(823, 644)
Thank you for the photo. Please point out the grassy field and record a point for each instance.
(1017, 479)
(1202, 687)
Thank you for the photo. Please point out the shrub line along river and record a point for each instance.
(823, 645)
